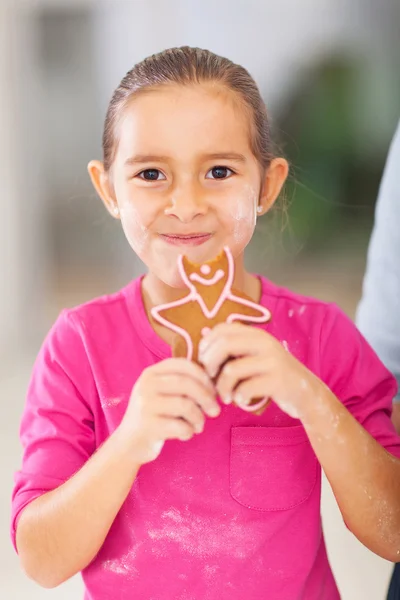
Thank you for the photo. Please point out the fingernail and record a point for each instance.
(227, 399)
(240, 400)
(198, 428)
(202, 346)
(214, 411)
(213, 373)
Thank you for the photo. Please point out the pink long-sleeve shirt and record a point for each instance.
(233, 513)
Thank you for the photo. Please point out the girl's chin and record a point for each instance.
(170, 279)
(175, 282)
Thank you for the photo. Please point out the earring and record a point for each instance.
(259, 209)
(116, 211)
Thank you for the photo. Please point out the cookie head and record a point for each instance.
(209, 279)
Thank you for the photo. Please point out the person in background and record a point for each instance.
(378, 316)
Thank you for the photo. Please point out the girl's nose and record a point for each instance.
(186, 205)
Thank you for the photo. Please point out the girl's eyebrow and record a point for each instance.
(145, 158)
(225, 155)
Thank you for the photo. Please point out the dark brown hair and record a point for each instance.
(191, 66)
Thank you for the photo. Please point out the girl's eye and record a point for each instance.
(220, 173)
(151, 175)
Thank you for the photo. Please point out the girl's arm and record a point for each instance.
(365, 478)
(60, 532)
(349, 436)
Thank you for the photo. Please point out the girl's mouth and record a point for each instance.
(191, 239)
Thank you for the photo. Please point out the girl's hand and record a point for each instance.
(168, 402)
(259, 366)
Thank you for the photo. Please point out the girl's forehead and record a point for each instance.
(185, 118)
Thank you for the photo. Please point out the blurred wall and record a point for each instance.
(10, 241)
(274, 40)
(61, 61)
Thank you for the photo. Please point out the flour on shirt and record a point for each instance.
(123, 565)
(202, 536)
(110, 402)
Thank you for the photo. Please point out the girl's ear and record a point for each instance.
(102, 185)
(275, 177)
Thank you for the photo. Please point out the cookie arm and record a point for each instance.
(260, 314)
(157, 316)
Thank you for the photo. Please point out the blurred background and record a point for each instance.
(329, 73)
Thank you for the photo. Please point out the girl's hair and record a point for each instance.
(191, 66)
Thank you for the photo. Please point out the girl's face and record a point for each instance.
(184, 177)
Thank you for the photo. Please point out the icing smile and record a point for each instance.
(217, 277)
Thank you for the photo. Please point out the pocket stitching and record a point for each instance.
(274, 509)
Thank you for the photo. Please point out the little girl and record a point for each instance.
(138, 469)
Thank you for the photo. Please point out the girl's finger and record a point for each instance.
(166, 428)
(226, 347)
(185, 386)
(180, 407)
(236, 371)
(182, 385)
(182, 366)
(256, 387)
(221, 330)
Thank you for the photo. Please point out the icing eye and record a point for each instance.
(205, 269)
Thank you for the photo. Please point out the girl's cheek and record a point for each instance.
(134, 226)
(244, 222)
(242, 214)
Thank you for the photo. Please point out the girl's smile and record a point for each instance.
(191, 239)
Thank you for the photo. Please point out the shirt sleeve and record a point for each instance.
(56, 431)
(355, 374)
(377, 314)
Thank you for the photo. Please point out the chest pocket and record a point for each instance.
(271, 468)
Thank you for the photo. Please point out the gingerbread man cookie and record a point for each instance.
(211, 300)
